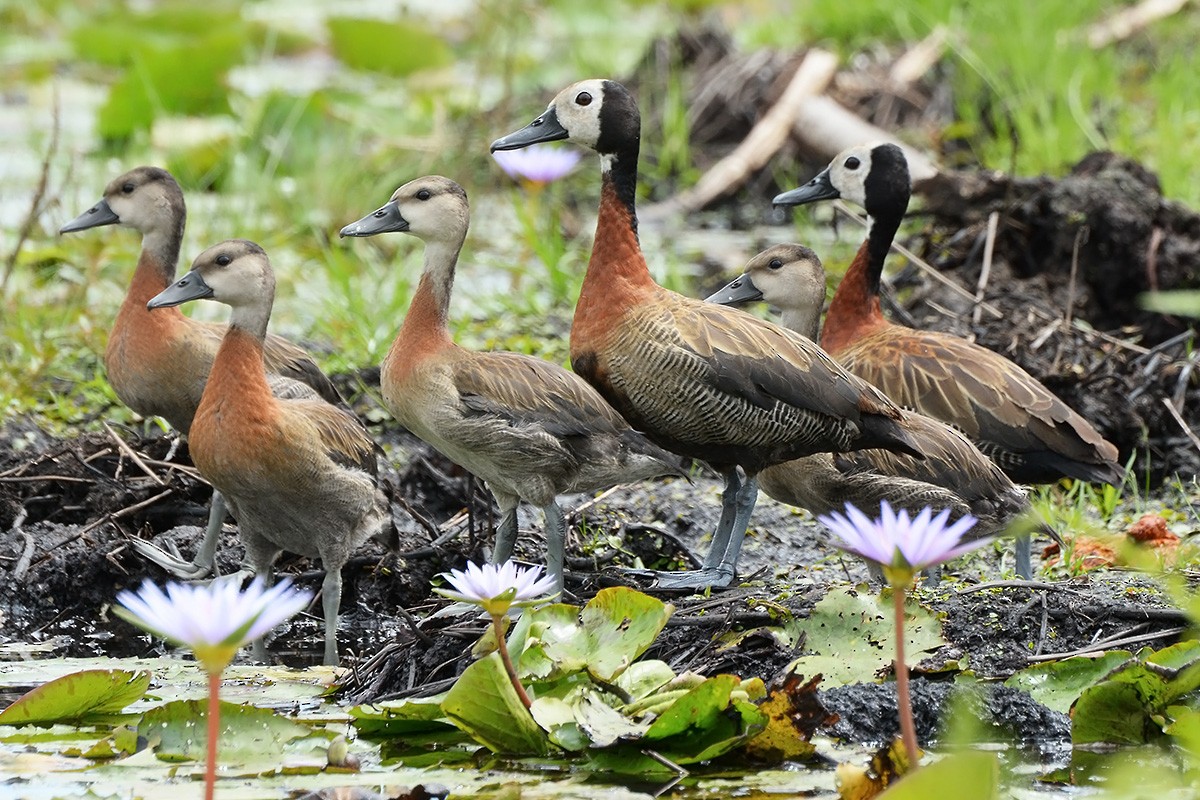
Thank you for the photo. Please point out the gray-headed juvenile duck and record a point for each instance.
(530, 428)
(298, 473)
(954, 473)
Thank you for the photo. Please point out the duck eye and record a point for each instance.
(127, 188)
(775, 263)
(583, 99)
(423, 194)
(852, 163)
(224, 260)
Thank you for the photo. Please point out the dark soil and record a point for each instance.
(69, 508)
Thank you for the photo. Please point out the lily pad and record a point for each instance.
(1128, 707)
(851, 634)
(973, 776)
(178, 731)
(604, 638)
(400, 717)
(1058, 684)
(393, 48)
(78, 696)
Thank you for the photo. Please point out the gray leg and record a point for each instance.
(556, 537)
(206, 558)
(736, 504)
(720, 540)
(747, 496)
(506, 534)
(258, 648)
(331, 600)
(1025, 556)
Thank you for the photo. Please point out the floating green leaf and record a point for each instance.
(1058, 684)
(400, 717)
(612, 630)
(851, 635)
(249, 735)
(484, 703)
(966, 776)
(78, 696)
(705, 722)
(1129, 706)
(393, 48)
(185, 78)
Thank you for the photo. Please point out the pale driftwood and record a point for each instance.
(1128, 21)
(826, 127)
(920, 58)
(761, 144)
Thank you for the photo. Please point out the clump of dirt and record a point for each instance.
(867, 712)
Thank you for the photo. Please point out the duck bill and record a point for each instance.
(738, 291)
(545, 128)
(94, 217)
(385, 220)
(819, 188)
(189, 287)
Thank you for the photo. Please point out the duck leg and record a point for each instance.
(744, 501)
(258, 648)
(1025, 556)
(737, 501)
(556, 538)
(331, 601)
(506, 531)
(174, 563)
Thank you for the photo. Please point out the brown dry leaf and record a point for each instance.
(862, 783)
(794, 712)
(1089, 553)
(1152, 529)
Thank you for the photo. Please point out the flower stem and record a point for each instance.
(214, 727)
(502, 647)
(904, 700)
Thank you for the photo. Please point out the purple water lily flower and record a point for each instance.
(901, 544)
(213, 619)
(497, 588)
(538, 164)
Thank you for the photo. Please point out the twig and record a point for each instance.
(1182, 423)
(921, 263)
(1108, 644)
(26, 556)
(124, 512)
(39, 196)
(985, 272)
(35, 478)
(134, 457)
(979, 587)
(919, 59)
(680, 772)
(1081, 237)
(1128, 21)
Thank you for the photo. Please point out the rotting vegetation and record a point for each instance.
(1065, 313)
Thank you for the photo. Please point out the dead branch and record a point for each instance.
(1125, 23)
(762, 143)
